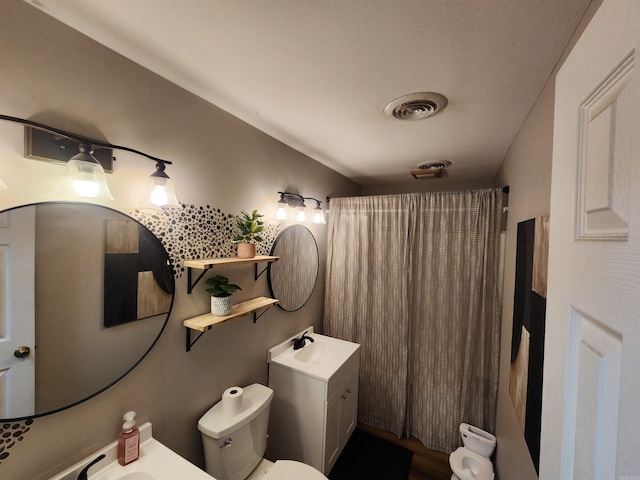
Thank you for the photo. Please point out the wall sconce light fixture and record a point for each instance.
(160, 190)
(281, 213)
(295, 201)
(84, 173)
(318, 213)
(84, 176)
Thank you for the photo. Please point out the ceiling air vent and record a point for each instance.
(416, 106)
(430, 169)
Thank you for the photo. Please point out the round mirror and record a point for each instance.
(293, 277)
(85, 292)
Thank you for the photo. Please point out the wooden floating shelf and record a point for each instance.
(207, 263)
(205, 322)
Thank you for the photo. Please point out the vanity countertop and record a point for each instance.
(320, 359)
(156, 462)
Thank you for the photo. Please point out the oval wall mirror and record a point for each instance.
(293, 277)
(85, 292)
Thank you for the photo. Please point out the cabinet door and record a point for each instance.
(297, 420)
(332, 446)
(348, 408)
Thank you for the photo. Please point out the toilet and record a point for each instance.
(234, 445)
(471, 462)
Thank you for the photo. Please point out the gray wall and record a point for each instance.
(57, 76)
(527, 170)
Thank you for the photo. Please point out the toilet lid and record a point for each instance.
(290, 470)
(468, 465)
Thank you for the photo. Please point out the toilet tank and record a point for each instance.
(477, 440)
(234, 445)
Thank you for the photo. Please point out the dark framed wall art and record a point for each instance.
(527, 345)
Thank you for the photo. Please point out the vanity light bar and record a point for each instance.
(295, 201)
(85, 174)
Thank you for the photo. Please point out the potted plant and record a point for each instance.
(221, 291)
(249, 228)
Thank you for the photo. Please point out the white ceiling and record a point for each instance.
(317, 74)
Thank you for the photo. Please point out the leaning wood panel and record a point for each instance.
(122, 236)
(152, 300)
(540, 257)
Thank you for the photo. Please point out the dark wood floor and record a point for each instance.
(426, 465)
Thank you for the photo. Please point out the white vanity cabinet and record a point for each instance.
(341, 418)
(315, 405)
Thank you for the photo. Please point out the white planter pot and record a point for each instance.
(221, 306)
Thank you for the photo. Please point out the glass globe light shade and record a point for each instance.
(84, 176)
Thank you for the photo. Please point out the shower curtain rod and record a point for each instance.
(505, 190)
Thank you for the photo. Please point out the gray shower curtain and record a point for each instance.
(413, 278)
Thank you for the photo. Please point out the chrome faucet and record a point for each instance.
(85, 470)
(298, 343)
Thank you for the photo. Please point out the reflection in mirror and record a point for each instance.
(87, 290)
(293, 277)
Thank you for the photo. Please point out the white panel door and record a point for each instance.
(17, 307)
(591, 391)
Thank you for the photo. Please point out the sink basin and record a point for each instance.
(311, 354)
(136, 476)
(320, 358)
(156, 462)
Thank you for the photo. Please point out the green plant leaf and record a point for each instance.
(221, 286)
(249, 226)
(230, 288)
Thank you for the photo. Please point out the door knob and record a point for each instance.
(22, 352)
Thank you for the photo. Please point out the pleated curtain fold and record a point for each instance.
(413, 278)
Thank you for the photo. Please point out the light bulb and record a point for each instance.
(159, 196)
(318, 214)
(281, 214)
(159, 191)
(86, 188)
(301, 216)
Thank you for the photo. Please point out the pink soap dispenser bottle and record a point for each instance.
(128, 440)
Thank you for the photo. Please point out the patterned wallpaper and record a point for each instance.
(192, 232)
(10, 433)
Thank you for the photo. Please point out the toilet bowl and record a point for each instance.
(471, 462)
(234, 444)
(284, 469)
(468, 465)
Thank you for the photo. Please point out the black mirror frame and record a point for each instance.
(146, 352)
(269, 277)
